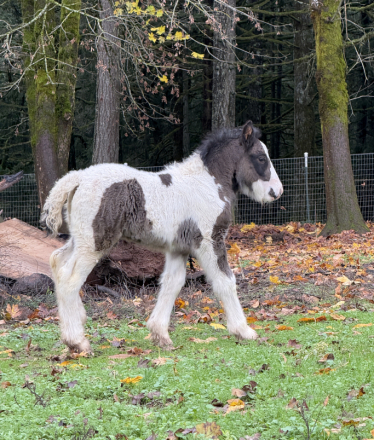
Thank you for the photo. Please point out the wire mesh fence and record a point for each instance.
(21, 201)
(303, 199)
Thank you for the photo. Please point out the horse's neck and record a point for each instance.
(194, 166)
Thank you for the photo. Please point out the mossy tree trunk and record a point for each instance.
(343, 211)
(66, 79)
(50, 64)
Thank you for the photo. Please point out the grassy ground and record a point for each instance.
(309, 379)
(281, 388)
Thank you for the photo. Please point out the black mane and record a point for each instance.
(216, 140)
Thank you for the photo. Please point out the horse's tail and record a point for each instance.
(51, 217)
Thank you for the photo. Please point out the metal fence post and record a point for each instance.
(306, 188)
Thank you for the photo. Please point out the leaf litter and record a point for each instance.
(196, 398)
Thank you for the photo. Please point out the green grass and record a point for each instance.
(191, 378)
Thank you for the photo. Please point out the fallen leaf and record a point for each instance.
(234, 249)
(216, 326)
(332, 431)
(319, 319)
(210, 430)
(247, 228)
(111, 315)
(274, 279)
(299, 278)
(326, 357)
(350, 422)
(344, 280)
(120, 356)
(269, 239)
(12, 312)
(9, 352)
(283, 327)
(251, 319)
(338, 304)
(180, 303)
(65, 363)
(292, 404)
(159, 361)
(202, 341)
(362, 325)
(131, 379)
(255, 303)
(325, 370)
(293, 343)
(5, 384)
(337, 317)
(237, 392)
(326, 401)
(235, 402)
(251, 387)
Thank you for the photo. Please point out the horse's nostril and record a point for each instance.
(272, 193)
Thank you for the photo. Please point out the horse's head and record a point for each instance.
(255, 174)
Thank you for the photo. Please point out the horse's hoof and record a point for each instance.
(82, 347)
(162, 341)
(245, 333)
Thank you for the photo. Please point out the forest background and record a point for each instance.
(142, 82)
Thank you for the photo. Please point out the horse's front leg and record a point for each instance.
(172, 280)
(213, 260)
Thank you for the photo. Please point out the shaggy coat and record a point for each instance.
(185, 209)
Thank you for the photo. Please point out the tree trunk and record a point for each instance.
(304, 123)
(224, 70)
(106, 138)
(207, 92)
(343, 211)
(186, 115)
(66, 80)
(50, 104)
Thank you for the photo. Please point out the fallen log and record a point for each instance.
(8, 181)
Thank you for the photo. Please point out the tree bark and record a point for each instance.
(106, 137)
(224, 70)
(186, 115)
(66, 80)
(343, 211)
(50, 99)
(207, 91)
(304, 123)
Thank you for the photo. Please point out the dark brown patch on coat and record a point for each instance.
(189, 236)
(121, 214)
(219, 233)
(166, 179)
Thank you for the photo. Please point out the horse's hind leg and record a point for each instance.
(172, 280)
(70, 267)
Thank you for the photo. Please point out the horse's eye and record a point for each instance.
(262, 159)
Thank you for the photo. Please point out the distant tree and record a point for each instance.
(304, 84)
(343, 211)
(106, 137)
(224, 68)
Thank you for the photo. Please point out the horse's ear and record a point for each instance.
(249, 134)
